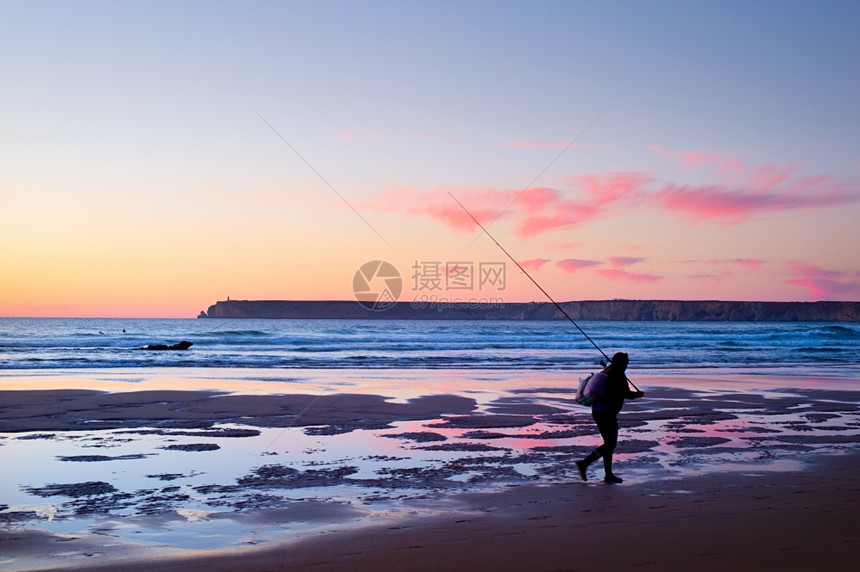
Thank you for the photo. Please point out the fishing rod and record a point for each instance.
(545, 293)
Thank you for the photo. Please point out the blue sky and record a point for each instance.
(140, 120)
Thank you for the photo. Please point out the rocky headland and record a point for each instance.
(622, 310)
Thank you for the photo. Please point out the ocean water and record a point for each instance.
(666, 348)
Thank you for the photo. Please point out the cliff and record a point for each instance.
(633, 310)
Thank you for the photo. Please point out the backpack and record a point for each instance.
(592, 389)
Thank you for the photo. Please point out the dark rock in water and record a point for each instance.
(288, 477)
(158, 347)
(36, 436)
(193, 447)
(74, 490)
(418, 436)
(202, 314)
(99, 458)
(475, 447)
(16, 516)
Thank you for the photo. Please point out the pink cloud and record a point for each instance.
(454, 218)
(769, 175)
(724, 163)
(538, 198)
(623, 276)
(536, 211)
(539, 224)
(822, 284)
(534, 264)
(823, 288)
(622, 261)
(555, 212)
(695, 159)
(571, 265)
(749, 263)
(609, 188)
(770, 190)
(771, 187)
(485, 204)
(811, 271)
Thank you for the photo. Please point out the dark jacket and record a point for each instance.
(617, 391)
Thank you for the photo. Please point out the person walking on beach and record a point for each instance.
(605, 414)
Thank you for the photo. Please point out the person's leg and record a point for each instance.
(604, 425)
(609, 431)
(582, 465)
(609, 477)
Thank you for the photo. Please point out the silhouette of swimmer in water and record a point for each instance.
(605, 414)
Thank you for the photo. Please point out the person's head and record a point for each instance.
(619, 362)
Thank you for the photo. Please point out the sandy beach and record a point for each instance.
(425, 470)
(785, 521)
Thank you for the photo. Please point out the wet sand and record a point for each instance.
(70, 410)
(786, 521)
(791, 521)
(394, 470)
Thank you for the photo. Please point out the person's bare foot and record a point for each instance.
(612, 479)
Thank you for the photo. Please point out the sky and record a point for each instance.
(156, 157)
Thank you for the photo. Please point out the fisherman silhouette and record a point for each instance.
(605, 414)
